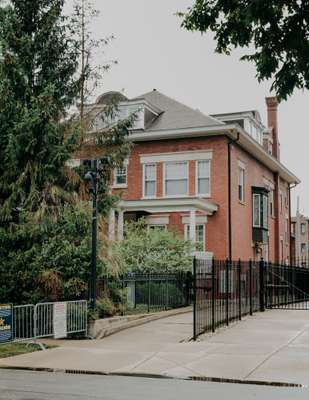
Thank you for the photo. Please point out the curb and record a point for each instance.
(156, 376)
(140, 320)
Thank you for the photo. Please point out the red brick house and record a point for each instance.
(217, 180)
(300, 239)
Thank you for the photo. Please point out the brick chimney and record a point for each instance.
(272, 116)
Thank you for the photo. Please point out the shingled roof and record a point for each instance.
(175, 115)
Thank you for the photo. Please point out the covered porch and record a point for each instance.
(189, 213)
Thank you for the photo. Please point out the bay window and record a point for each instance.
(176, 178)
(203, 177)
(150, 180)
(260, 214)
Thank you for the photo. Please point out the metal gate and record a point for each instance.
(224, 291)
(286, 287)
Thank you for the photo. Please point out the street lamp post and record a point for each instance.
(93, 176)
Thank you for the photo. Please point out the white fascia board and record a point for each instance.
(192, 155)
(233, 131)
(169, 205)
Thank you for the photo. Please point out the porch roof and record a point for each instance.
(181, 204)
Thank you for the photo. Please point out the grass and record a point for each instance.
(16, 349)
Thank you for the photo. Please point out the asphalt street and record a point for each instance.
(24, 385)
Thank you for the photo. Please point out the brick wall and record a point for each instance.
(217, 226)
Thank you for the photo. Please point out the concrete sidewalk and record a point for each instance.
(271, 347)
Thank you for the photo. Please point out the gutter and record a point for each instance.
(230, 142)
(233, 131)
(290, 222)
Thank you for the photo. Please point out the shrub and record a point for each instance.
(144, 250)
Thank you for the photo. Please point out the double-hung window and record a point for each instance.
(203, 177)
(241, 184)
(150, 180)
(176, 178)
(121, 176)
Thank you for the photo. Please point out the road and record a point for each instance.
(24, 385)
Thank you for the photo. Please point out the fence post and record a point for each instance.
(250, 287)
(239, 288)
(148, 305)
(123, 296)
(227, 291)
(262, 285)
(213, 295)
(194, 300)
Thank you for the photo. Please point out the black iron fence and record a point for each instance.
(286, 287)
(225, 291)
(144, 292)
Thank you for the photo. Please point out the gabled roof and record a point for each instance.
(175, 115)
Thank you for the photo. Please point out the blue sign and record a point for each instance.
(6, 323)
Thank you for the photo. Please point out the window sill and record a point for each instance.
(242, 203)
(124, 186)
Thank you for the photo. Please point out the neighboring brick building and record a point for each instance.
(217, 180)
(300, 240)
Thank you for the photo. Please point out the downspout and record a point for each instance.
(290, 222)
(229, 160)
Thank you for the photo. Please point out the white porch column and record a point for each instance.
(193, 226)
(111, 225)
(120, 224)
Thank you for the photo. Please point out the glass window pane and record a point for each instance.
(203, 186)
(265, 211)
(203, 169)
(150, 188)
(177, 170)
(176, 187)
(121, 179)
(256, 210)
(150, 172)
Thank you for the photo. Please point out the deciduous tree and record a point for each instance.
(275, 34)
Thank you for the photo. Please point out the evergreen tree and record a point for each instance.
(38, 61)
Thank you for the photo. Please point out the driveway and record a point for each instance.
(271, 347)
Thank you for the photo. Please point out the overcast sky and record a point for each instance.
(154, 52)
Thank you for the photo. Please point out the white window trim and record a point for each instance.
(164, 180)
(187, 235)
(121, 185)
(207, 195)
(176, 156)
(144, 181)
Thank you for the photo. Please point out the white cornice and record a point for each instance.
(233, 131)
(192, 155)
(180, 204)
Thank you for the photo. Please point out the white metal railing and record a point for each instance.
(59, 319)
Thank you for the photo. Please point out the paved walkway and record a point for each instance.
(271, 346)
